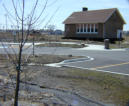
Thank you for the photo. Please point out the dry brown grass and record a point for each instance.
(60, 45)
(108, 88)
(38, 37)
(126, 38)
(121, 44)
(46, 59)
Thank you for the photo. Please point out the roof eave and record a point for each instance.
(124, 22)
(119, 15)
(85, 23)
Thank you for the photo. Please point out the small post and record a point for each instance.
(33, 45)
(119, 43)
(106, 42)
(14, 36)
(120, 39)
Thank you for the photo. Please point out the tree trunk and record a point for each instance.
(17, 88)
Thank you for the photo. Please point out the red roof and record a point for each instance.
(93, 16)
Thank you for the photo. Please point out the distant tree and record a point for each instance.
(51, 28)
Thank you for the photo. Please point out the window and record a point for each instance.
(96, 28)
(87, 28)
(92, 27)
(77, 28)
(81, 27)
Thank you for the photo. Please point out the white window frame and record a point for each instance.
(94, 27)
(85, 26)
(90, 28)
(80, 28)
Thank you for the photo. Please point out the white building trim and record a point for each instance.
(84, 28)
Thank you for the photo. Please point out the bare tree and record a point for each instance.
(24, 22)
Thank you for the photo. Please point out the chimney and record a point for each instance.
(84, 9)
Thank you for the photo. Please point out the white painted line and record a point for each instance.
(113, 72)
(61, 64)
(77, 60)
(53, 65)
(98, 70)
(111, 65)
(1, 47)
(69, 61)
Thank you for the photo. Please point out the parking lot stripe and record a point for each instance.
(97, 70)
(113, 65)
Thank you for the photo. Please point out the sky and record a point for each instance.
(57, 11)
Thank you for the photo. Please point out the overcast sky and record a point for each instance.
(65, 8)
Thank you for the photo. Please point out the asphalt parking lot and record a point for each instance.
(107, 61)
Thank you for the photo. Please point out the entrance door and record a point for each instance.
(119, 34)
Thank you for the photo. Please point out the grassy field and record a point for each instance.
(115, 45)
(7, 36)
(109, 88)
(46, 59)
(104, 87)
(121, 44)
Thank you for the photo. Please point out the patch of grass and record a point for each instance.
(60, 45)
(46, 59)
(40, 59)
(113, 87)
(122, 44)
(119, 45)
(126, 38)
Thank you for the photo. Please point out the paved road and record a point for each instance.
(107, 61)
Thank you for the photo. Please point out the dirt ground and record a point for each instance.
(109, 89)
